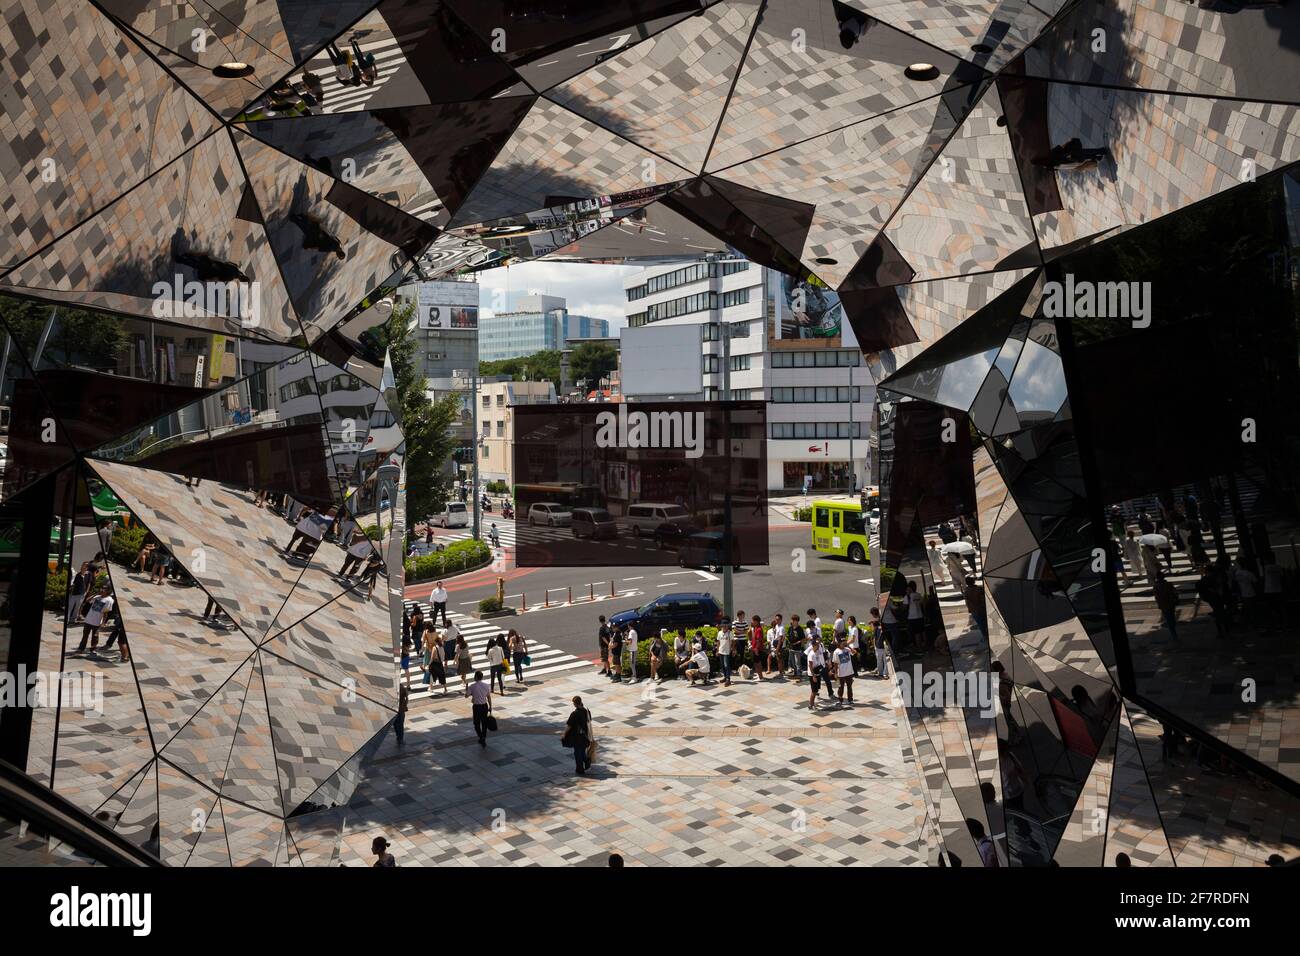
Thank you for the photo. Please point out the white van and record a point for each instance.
(455, 515)
(643, 519)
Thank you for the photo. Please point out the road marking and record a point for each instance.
(705, 575)
(639, 577)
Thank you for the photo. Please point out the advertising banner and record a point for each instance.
(802, 313)
(641, 484)
(447, 305)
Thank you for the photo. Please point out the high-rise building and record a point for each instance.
(806, 364)
(538, 323)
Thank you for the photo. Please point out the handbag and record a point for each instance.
(528, 661)
(566, 738)
(491, 723)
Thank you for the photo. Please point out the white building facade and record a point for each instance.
(819, 392)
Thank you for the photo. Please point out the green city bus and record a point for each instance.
(838, 527)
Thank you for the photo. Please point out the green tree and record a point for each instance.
(78, 336)
(592, 361)
(541, 366)
(426, 425)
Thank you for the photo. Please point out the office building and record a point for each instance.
(820, 395)
(538, 323)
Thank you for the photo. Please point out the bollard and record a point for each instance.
(570, 593)
(501, 590)
(611, 589)
(546, 598)
(523, 601)
(591, 591)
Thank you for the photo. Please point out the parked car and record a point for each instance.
(643, 519)
(455, 515)
(593, 523)
(672, 534)
(704, 550)
(674, 611)
(550, 514)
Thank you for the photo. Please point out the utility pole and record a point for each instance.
(728, 608)
(473, 391)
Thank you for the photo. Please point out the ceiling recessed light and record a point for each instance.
(826, 261)
(982, 49)
(922, 71)
(233, 70)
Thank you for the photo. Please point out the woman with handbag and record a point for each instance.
(437, 657)
(519, 651)
(578, 735)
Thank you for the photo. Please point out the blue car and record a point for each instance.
(673, 611)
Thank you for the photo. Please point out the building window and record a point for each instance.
(740, 363)
(821, 393)
(501, 428)
(735, 297)
(822, 358)
(816, 429)
(710, 364)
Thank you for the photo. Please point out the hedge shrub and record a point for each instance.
(489, 604)
(457, 557)
(125, 545)
(803, 514)
(56, 591)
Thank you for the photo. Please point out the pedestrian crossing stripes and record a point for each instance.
(546, 660)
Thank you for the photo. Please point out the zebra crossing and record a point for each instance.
(949, 593)
(546, 660)
(1179, 571)
(344, 97)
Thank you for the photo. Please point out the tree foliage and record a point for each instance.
(426, 424)
(77, 336)
(592, 361)
(541, 366)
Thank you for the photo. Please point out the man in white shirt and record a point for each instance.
(438, 598)
(497, 672)
(358, 551)
(816, 655)
(630, 642)
(698, 667)
(842, 660)
(480, 696)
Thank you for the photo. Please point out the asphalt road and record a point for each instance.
(822, 582)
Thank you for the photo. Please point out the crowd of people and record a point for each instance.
(827, 655)
(1249, 587)
(442, 649)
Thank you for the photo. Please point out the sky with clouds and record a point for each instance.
(594, 290)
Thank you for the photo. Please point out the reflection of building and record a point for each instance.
(538, 323)
(446, 349)
(497, 426)
(1134, 572)
(820, 398)
(567, 381)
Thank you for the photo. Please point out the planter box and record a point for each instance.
(504, 612)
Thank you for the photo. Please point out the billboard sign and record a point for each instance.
(662, 360)
(447, 305)
(803, 313)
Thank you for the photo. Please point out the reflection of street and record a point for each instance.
(825, 583)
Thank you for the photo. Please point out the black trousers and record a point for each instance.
(480, 721)
(580, 761)
(439, 607)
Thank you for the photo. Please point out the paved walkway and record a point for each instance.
(698, 776)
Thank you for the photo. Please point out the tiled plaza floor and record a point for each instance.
(703, 776)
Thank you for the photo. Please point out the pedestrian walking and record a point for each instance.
(383, 859)
(406, 659)
(438, 598)
(915, 618)
(602, 635)
(417, 629)
(464, 663)
(578, 735)
(480, 697)
(937, 567)
(496, 665)
(437, 658)
(1167, 600)
(399, 722)
(519, 654)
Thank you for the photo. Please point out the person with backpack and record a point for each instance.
(578, 735)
